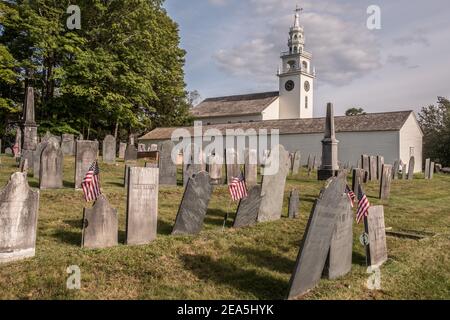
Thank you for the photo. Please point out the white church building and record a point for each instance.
(394, 135)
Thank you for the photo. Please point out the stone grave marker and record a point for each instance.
(427, 168)
(396, 170)
(215, 169)
(317, 238)
(142, 205)
(194, 205)
(167, 168)
(8, 151)
(100, 225)
(247, 211)
(358, 176)
(23, 165)
(294, 202)
(404, 166)
(130, 153)
(380, 162)
(37, 158)
(365, 161)
(109, 150)
(273, 186)
(122, 149)
(19, 206)
(251, 167)
(376, 250)
(51, 168)
(373, 168)
(86, 154)
(296, 162)
(232, 167)
(385, 182)
(411, 168)
(68, 144)
(431, 170)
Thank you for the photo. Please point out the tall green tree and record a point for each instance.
(354, 111)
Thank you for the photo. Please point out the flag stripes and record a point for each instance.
(237, 188)
(363, 205)
(91, 183)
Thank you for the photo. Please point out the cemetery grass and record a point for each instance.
(250, 263)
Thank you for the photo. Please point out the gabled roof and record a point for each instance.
(386, 121)
(248, 104)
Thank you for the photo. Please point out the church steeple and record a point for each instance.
(296, 40)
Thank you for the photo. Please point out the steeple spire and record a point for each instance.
(297, 11)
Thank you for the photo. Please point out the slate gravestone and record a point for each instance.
(431, 170)
(109, 149)
(19, 206)
(294, 202)
(194, 205)
(130, 153)
(396, 170)
(142, 205)
(251, 167)
(373, 168)
(380, 162)
(358, 176)
(316, 241)
(376, 250)
(68, 144)
(51, 168)
(122, 149)
(232, 166)
(215, 169)
(273, 186)
(86, 154)
(37, 158)
(296, 162)
(385, 182)
(247, 211)
(404, 171)
(339, 260)
(8, 151)
(411, 168)
(167, 168)
(100, 225)
(427, 168)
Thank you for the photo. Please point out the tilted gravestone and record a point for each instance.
(37, 158)
(167, 168)
(294, 201)
(109, 150)
(411, 168)
(316, 241)
(251, 167)
(130, 153)
(247, 211)
(380, 162)
(373, 168)
(376, 250)
(100, 225)
(431, 170)
(273, 185)
(427, 168)
(215, 169)
(296, 162)
(396, 170)
(51, 168)
(86, 154)
(142, 205)
(358, 177)
(232, 167)
(339, 260)
(194, 205)
(385, 182)
(68, 144)
(19, 206)
(122, 148)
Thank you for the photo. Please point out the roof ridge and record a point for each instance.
(266, 94)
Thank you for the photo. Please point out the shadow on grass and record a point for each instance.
(69, 184)
(69, 237)
(33, 184)
(223, 272)
(117, 184)
(359, 259)
(165, 228)
(266, 259)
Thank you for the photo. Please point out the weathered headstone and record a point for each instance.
(122, 149)
(376, 250)
(385, 182)
(23, 165)
(109, 150)
(358, 176)
(365, 161)
(380, 162)
(100, 225)
(232, 166)
(130, 153)
(142, 205)
(310, 164)
(317, 238)
(294, 202)
(167, 168)
(51, 168)
(396, 170)
(214, 169)
(86, 154)
(296, 162)
(37, 158)
(247, 211)
(329, 166)
(251, 167)
(68, 144)
(194, 205)
(427, 168)
(19, 206)
(373, 168)
(29, 128)
(273, 186)
(411, 168)
(404, 166)
(8, 151)
(431, 170)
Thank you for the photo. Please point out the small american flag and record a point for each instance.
(351, 195)
(363, 205)
(91, 183)
(237, 188)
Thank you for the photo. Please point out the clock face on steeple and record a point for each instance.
(290, 85)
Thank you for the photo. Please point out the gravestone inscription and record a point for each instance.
(376, 250)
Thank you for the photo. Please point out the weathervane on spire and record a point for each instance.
(297, 11)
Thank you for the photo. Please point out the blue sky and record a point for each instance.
(233, 47)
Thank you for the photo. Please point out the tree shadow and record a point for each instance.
(117, 184)
(122, 236)
(75, 223)
(359, 259)
(266, 259)
(165, 228)
(215, 217)
(69, 237)
(222, 271)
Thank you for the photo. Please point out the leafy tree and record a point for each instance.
(435, 123)
(193, 98)
(354, 112)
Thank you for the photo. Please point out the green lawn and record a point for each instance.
(251, 263)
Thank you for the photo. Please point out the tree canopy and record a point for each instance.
(122, 70)
(354, 111)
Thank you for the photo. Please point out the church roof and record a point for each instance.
(247, 104)
(386, 121)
